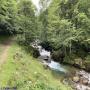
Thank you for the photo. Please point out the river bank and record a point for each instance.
(77, 78)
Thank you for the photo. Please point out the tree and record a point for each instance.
(68, 26)
(27, 21)
(8, 16)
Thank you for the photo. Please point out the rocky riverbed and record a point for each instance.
(81, 80)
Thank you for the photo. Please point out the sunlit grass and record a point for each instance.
(26, 71)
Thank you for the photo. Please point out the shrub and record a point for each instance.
(58, 56)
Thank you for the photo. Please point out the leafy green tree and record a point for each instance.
(68, 26)
(8, 16)
(27, 20)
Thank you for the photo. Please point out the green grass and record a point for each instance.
(27, 73)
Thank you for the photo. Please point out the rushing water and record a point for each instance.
(56, 66)
(44, 54)
(45, 58)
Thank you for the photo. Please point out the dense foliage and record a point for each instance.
(67, 27)
(27, 19)
(8, 16)
(18, 17)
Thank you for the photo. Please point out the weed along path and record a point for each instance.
(5, 47)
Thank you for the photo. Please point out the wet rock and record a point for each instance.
(76, 79)
(46, 58)
(88, 88)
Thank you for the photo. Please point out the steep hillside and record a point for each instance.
(23, 71)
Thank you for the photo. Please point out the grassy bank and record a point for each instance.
(26, 73)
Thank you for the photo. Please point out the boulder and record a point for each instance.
(76, 79)
(46, 58)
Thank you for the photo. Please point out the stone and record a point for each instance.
(46, 58)
(76, 79)
(85, 82)
(88, 88)
(78, 87)
(81, 73)
(81, 81)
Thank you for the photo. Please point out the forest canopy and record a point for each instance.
(46, 48)
(61, 24)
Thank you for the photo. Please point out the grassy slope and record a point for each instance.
(27, 73)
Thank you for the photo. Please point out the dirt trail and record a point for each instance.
(3, 57)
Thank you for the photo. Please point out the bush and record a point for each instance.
(46, 45)
(58, 56)
(32, 51)
(35, 53)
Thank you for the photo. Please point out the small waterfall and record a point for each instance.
(45, 57)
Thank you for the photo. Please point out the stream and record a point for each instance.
(76, 78)
(46, 57)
